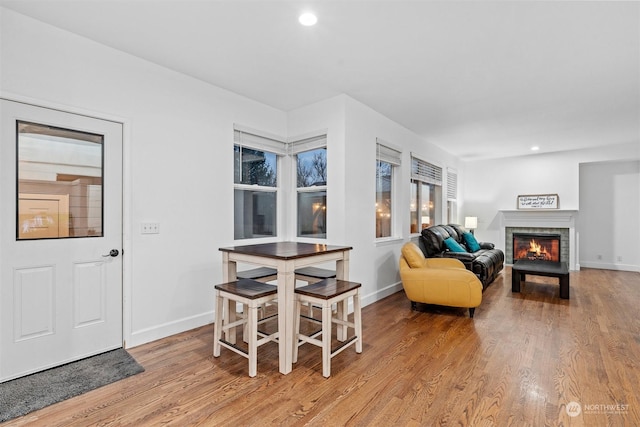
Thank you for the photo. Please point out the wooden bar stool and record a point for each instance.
(261, 274)
(314, 274)
(252, 294)
(324, 294)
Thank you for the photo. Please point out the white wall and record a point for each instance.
(178, 142)
(610, 215)
(492, 185)
(352, 129)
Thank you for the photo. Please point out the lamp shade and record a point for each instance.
(470, 222)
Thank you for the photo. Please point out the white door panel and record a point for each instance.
(33, 302)
(60, 290)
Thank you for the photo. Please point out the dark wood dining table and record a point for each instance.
(285, 257)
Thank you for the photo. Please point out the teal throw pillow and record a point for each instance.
(452, 245)
(471, 241)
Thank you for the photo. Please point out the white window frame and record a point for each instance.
(423, 171)
(452, 196)
(262, 141)
(388, 153)
(295, 147)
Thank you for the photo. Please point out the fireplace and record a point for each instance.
(548, 221)
(536, 246)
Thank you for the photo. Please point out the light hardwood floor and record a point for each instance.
(520, 361)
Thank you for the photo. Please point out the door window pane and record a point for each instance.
(60, 176)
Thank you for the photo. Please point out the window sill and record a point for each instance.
(388, 241)
(256, 240)
(321, 240)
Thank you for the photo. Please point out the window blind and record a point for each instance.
(308, 144)
(258, 142)
(387, 154)
(425, 171)
(452, 185)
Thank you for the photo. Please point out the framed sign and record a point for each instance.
(538, 201)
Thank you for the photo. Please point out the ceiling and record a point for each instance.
(479, 79)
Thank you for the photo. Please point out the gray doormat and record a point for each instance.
(23, 395)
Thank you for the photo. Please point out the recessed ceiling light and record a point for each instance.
(535, 148)
(308, 19)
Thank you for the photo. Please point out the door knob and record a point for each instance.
(113, 253)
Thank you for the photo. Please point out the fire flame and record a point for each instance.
(534, 247)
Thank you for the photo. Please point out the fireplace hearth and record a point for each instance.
(536, 246)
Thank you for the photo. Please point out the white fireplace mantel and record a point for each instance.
(544, 218)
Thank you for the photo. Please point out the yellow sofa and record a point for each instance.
(440, 281)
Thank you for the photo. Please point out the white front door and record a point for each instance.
(60, 237)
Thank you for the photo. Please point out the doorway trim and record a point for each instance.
(127, 278)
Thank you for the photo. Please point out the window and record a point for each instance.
(311, 186)
(387, 161)
(426, 193)
(452, 196)
(60, 175)
(255, 185)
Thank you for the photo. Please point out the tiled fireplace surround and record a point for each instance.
(561, 222)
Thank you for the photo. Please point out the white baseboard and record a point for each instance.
(381, 293)
(609, 266)
(167, 329)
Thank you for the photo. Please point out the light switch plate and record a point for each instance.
(150, 228)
